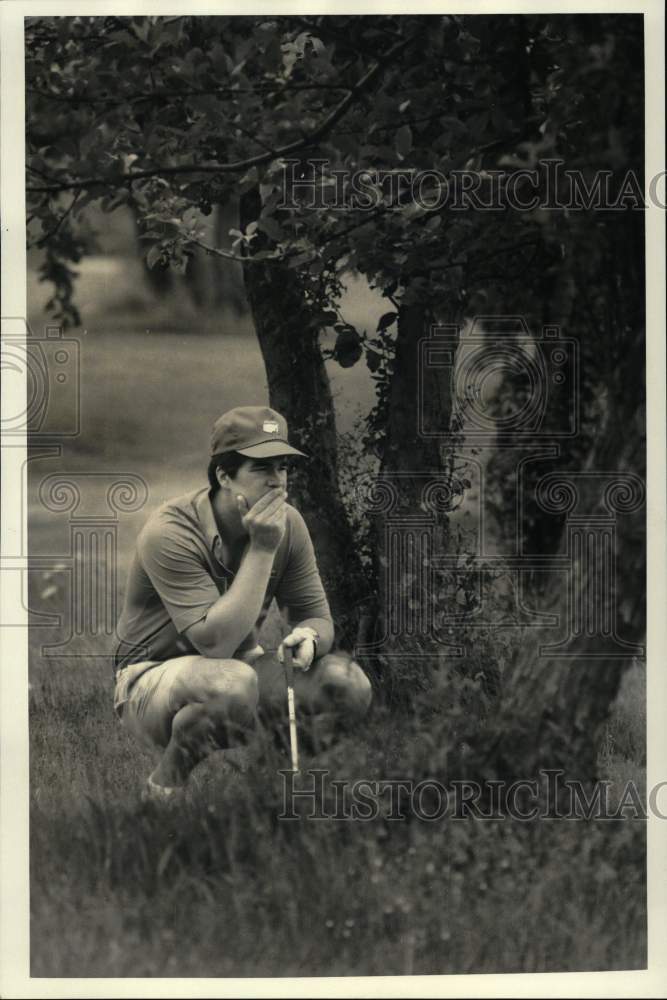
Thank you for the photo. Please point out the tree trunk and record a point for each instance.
(299, 389)
(592, 515)
(214, 284)
(559, 693)
(409, 502)
(228, 290)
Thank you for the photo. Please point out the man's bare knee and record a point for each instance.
(229, 682)
(344, 685)
(242, 694)
(227, 698)
(232, 691)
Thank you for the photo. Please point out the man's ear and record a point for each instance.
(223, 478)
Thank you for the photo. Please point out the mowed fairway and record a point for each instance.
(225, 887)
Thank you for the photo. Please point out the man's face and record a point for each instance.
(259, 475)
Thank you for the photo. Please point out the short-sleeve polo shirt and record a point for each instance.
(177, 574)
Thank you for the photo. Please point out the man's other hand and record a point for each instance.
(302, 641)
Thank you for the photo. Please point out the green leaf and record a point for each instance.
(268, 225)
(141, 28)
(327, 318)
(301, 258)
(404, 140)
(373, 359)
(248, 180)
(386, 321)
(348, 349)
(153, 256)
(413, 210)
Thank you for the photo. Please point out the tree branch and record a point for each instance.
(228, 255)
(52, 232)
(474, 262)
(386, 208)
(156, 95)
(315, 135)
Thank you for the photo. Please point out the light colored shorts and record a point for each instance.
(148, 695)
(144, 694)
(142, 699)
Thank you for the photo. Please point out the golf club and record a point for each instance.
(291, 711)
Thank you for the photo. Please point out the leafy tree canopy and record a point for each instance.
(177, 114)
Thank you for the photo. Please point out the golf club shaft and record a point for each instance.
(291, 709)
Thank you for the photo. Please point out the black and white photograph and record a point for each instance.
(332, 537)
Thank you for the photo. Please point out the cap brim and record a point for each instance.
(270, 449)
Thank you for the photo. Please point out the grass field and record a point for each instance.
(225, 888)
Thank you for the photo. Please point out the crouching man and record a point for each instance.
(190, 675)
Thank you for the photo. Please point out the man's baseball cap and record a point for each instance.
(254, 431)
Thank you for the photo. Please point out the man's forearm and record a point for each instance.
(324, 628)
(234, 614)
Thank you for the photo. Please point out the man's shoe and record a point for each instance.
(162, 794)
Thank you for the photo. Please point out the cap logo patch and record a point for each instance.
(270, 427)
